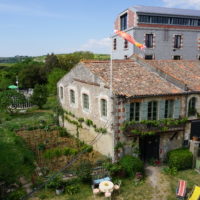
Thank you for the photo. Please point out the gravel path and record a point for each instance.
(158, 182)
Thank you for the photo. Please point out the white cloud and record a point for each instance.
(189, 4)
(27, 10)
(97, 46)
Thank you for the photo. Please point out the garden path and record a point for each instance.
(159, 182)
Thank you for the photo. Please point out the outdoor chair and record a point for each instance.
(195, 195)
(95, 191)
(117, 186)
(181, 190)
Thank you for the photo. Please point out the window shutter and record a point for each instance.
(127, 111)
(176, 109)
(162, 109)
(143, 110)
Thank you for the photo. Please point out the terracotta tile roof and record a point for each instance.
(131, 79)
(186, 71)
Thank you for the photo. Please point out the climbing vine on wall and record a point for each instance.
(151, 127)
(78, 123)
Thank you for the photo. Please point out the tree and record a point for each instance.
(15, 158)
(53, 78)
(51, 62)
(40, 95)
(8, 98)
(32, 75)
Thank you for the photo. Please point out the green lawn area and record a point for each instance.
(6, 64)
(191, 176)
(128, 190)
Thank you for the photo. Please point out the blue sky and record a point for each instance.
(38, 27)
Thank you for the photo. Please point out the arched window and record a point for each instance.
(192, 107)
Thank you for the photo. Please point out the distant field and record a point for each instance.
(101, 56)
(39, 58)
(6, 64)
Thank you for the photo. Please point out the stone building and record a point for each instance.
(168, 33)
(143, 92)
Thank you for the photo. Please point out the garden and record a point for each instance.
(35, 149)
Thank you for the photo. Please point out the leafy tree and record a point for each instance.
(40, 95)
(8, 98)
(53, 78)
(51, 62)
(5, 80)
(32, 75)
(15, 159)
(68, 61)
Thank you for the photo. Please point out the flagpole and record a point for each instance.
(111, 67)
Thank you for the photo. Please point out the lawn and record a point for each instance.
(191, 176)
(129, 191)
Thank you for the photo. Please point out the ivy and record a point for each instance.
(88, 122)
(150, 127)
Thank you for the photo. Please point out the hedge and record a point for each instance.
(130, 165)
(180, 159)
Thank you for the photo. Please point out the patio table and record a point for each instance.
(106, 186)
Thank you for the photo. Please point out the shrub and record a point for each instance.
(130, 165)
(56, 182)
(89, 122)
(63, 132)
(16, 195)
(113, 168)
(87, 148)
(171, 171)
(84, 171)
(72, 189)
(180, 159)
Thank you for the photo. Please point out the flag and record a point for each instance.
(129, 38)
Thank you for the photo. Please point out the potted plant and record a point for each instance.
(59, 187)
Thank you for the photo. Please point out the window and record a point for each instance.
(149, 40)
(148, 57)
(169, 108)
(168, 20)
(85, 101)
(125, 57)
(192, 107)
(123, 22)
(135, 111)
(177, 41)
(72, 96)
(115, 44)
(61, 92)
(103, 108)
(125, 44)
(177, 57)
(152, 110)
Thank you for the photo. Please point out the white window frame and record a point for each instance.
(75, 105)
(105, 97)
(85, 91)
(63, 93)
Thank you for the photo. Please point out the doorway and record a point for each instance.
(149, 147)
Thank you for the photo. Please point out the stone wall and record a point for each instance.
(81, 80)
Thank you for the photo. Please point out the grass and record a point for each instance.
(6, 64)
(128, 191)
(191, 176)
